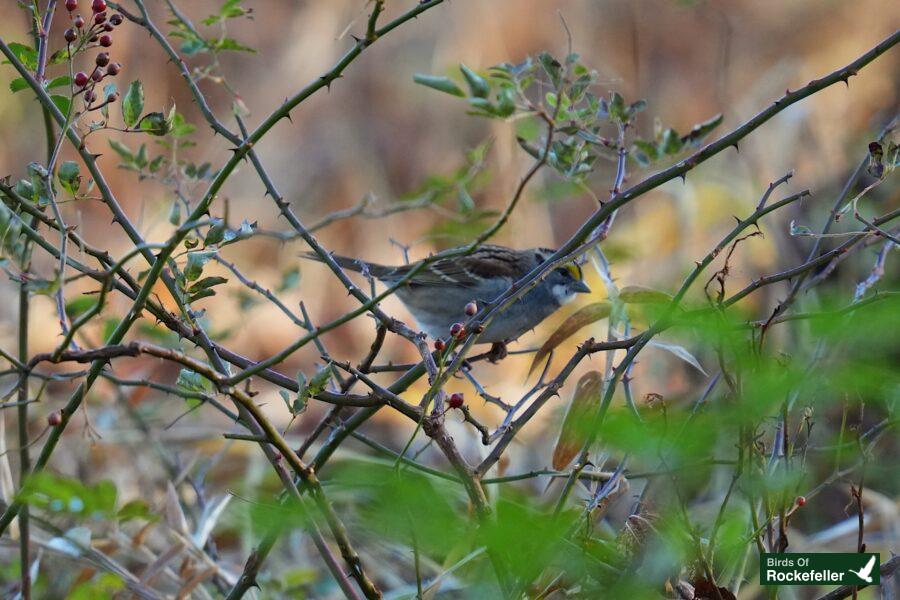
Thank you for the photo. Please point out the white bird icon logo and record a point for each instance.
(866, 572)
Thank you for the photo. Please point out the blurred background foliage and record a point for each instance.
(378, 141)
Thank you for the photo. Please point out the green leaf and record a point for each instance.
(135, 509)
(122, 150)
(216, 233)
(230, 9)
(477, 84)
(466, 203)
(506, 103)
(636, 294)
(175, 213)
(287, 399)
(26, 55)
(636, 107)
(61, 81)
(195, 263)
(193, 46)
(193, 381)
(617, 110)
(104, 586)
(179, 128)
(310, 388)
(226, 43)
(44, 287)
(199, 295)
(207, 282)
(109, 326)
(155, 163)
(320, 380)
(69, 176)
(68, 496)
(133, 103)
(483, 106)
(155, 123)
(532, 150)
(18, 84)
(77, 307)
(441, 84)
(701, 130)
(552, 67)
(671, 143)
(528, 128)
(25, 189)
(289, 279)
(644, 152)
(61, 102)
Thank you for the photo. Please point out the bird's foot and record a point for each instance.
(498, 352)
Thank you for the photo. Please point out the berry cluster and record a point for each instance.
(95, 35)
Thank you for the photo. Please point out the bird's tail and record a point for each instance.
(354, 264)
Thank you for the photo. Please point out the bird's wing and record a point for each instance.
(354, 264)
(488, 263)
(867, 570)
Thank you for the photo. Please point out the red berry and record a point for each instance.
(81, 78)
(105, 41)
(457, 330)
(71, 5)
(439, 345)
(471, 308)
(79, 21)
(479, 329)
(102, 59)
(456, 400)
(54, 418)
(99, 18)
(108, 27)
(113, 69)
(800, 501)
(97, 75)
(98, 6)
(89, 96)
(112, 97)
(116, 19)
(70, 35)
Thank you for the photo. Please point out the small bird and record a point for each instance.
(438, 294)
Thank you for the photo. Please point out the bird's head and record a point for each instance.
(565, 281)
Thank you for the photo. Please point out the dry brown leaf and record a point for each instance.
(584, 316)
(573, 432)
(194, 581)
(174, 515)
(637, 294)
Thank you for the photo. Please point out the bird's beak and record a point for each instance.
(580, 287)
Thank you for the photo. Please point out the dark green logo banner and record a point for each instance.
(824, 568)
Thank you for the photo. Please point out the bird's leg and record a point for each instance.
(498, 352)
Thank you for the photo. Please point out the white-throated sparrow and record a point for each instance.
(438, 294)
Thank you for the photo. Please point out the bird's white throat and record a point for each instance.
(562, 293)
